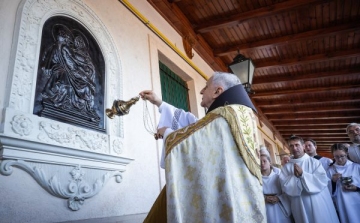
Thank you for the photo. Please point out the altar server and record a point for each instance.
(277, 202)
(345, 184)
(305, 181)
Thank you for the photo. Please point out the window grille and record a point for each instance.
(174, 90)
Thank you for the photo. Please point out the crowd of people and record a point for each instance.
(314, 188)
(215, 173)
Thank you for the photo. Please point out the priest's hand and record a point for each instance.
(271, 199)
(297, 170)
(335, 177)
(151, 96)
(160, 132)
(350, 187)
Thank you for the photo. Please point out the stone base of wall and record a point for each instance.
(136, 218)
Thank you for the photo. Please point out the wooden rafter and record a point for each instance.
(342, 122)
(299, 91)
(315, 116)
(288, 39)
(182, 25)
(315, 128)
(311, 110)
(338, 55)
(305, 77)
(257, 13)
(304, 100)
(306, 54)
(318, 132)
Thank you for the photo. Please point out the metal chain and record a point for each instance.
(148, 124)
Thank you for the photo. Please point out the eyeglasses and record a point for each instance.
(340, 157)
(352, 132)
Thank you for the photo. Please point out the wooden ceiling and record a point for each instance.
(306, 54)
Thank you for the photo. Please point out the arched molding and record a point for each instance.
(31, 16)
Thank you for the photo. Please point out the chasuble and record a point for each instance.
(215, 180)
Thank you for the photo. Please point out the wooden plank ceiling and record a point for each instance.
(306, 53)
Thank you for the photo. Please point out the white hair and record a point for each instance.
(264, 152)
(225, 80)
(351, 125)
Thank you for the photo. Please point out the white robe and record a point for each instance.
(325, 162)
(279, 212)
(354, 152)
(309, 195)
(175, 119)
(347, 202)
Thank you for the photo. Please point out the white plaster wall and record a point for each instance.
(23, 200)
(7, 22)
(266, 134)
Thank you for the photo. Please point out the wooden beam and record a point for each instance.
(340, 122)
(330, 142)
(276, 93)
(301, 127)
(304, 100)
(314, 131)
(176, 18)
(288, 39)
(318, 115)
(310, 135)
(271, 79)
(236, 19)
(319, 139)
(339, 55)
(325, 142)
(308, 110)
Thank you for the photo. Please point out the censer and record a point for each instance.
(346, 180)
(121, 107)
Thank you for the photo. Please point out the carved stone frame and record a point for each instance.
(27, 140)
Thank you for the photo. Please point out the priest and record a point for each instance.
(353, 131)
(305, 181)
(211, 166)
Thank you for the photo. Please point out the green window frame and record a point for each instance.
(174, 90)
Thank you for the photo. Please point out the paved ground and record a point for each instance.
(121, 219)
